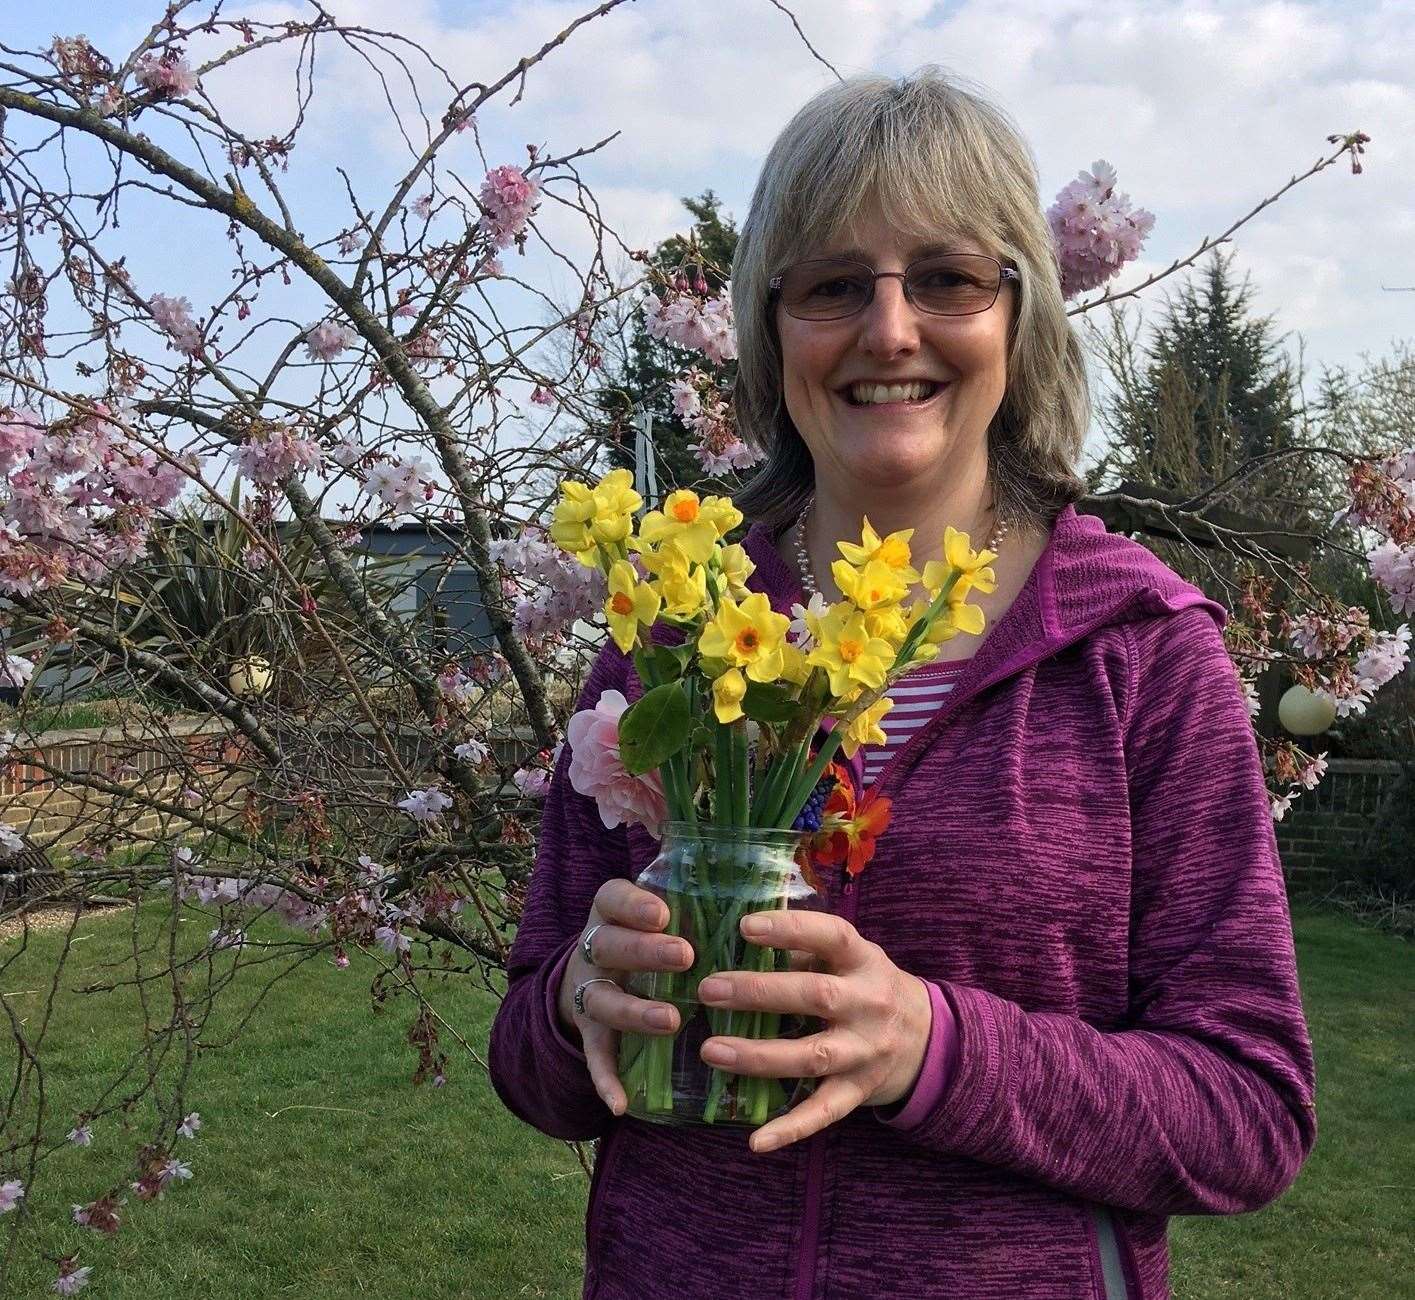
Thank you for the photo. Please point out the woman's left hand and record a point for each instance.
(877, 1021)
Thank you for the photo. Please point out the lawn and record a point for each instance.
(321, 1172)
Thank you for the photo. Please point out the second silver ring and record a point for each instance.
(587, 940)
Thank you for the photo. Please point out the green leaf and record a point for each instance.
(654, 728)
(770, 702)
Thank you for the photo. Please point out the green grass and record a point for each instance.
(321, 1172)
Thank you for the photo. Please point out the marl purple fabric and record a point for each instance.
(1082, 865)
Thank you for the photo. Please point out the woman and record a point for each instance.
(1061, 1003)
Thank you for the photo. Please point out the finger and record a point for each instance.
(626, 904)
(602, 1059)
(816, 1056)
(617, 948)
(806, 993)
(831, 938)
(799, 959)
(609, 1005)
(831, 1102)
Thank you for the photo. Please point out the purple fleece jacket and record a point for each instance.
(1082, 866)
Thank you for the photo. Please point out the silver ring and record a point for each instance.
(580, 990)
(585, 943)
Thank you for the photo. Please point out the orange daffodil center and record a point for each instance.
(748, 638)
(691, 525)
(630, 604)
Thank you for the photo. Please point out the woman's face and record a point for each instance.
(861, 447)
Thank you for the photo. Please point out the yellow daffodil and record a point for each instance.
(851, 657)
(630, 603)
(728, 691)
(873, 585)
(891, 551)
(972, 566)
(865, 730)
(570, 528)
(615, 502)
(889, 623)
(681, 583)
(795, 668)
(749, 636)
(956, 616)
(737, 567)
(690, 523)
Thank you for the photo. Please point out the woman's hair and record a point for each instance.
(938, 158)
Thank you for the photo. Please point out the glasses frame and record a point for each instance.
(1005, 273)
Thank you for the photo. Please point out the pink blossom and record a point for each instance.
(169, 76)
(703, 326)
(685, 397)
(425, 805)
(401, 485)
(15, 670)
(189, 1125)
(597, 770)
(10, 1194)
(1385, 659)
(71, 1279)
(1094, 229)
(349, 241)
(276, 455)
(391, 941)
(508, 198)
(532, 782)
(472, 752)
(1311, 773)
(81, 1136)
(325, 341)
(21, 432)
(1393, 566)
(174, 316)
(541, 397)
(422, 208)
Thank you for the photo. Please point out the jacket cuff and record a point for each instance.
(936, 1074)
(570, 1046)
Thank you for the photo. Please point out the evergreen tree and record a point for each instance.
(1215, 390)
(703, 254)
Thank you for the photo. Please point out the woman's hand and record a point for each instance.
(628, 940)
(877, 1021)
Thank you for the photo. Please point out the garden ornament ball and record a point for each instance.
(1305, 713)
(249, 676)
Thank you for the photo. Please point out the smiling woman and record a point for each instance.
(1061, 1005)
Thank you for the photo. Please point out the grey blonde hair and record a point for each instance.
(937, 156)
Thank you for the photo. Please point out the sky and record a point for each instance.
(1205, 110)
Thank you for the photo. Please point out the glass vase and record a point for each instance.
(711, 877)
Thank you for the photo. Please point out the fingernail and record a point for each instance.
(712, 989)
(649, 913)
(755, 925)
(720, 1055)
(768, 1143)
(661, 1018)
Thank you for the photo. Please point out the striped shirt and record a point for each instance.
(917, 696)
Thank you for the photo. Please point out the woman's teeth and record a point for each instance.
(873, 394)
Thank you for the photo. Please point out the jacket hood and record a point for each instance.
(1085, 578)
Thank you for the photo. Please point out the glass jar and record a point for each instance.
(711, 877)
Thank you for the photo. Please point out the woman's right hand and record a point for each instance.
(629, 939)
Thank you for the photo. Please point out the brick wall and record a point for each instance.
(1327, 829)
(156, 763)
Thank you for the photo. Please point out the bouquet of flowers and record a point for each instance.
(729, 733)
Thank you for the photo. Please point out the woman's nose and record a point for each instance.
(890, 323)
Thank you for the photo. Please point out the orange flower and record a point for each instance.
(851, 838)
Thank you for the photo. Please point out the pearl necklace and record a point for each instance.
(803, 560)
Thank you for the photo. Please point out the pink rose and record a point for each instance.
(597, 770)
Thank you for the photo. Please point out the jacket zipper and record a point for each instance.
(815, 1156)
(1115, 1268)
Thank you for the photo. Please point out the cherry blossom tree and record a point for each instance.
(358, 775)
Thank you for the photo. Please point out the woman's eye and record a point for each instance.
(833, 288)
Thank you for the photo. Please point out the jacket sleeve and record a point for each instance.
(1204, 1102)
(538, 1070)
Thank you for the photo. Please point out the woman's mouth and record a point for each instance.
(891, 398)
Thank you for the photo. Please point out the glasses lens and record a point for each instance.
(824, 290)
(954, 284)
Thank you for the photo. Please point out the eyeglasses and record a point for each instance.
(944, 284)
